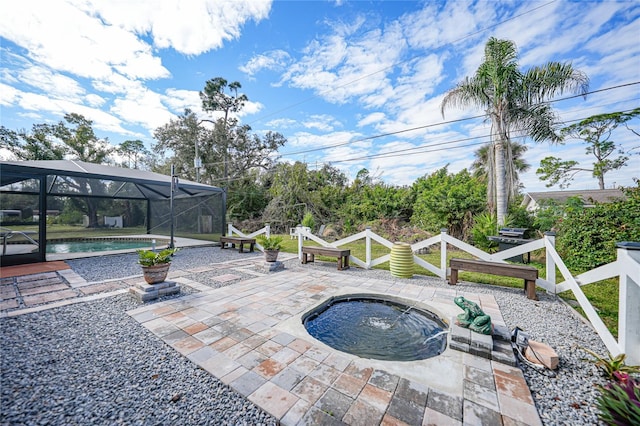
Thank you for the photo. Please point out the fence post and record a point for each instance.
(550, 239)
(229, 229)
(368, 246)
(267, 228)
(300, 240)
(629, 301)
(443, 253)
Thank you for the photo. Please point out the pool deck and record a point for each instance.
(250, 336)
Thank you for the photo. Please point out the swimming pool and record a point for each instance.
(90, 245)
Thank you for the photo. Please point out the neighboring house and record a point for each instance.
(532, 200)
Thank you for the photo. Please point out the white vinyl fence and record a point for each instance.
(626, 267)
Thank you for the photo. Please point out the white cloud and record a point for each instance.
(373, 118)
(437, 25)
(8, 95)
(275, 60)
(58, 34)
(55, 85)
(190, 27)
(179, 100)
(353, 61)
(94, 100)
(143, 107)
(322, 122)
(282, 123)
(306, 139)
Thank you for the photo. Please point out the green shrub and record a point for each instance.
(485, 225)
(612, 365)
(308, 221)
(587, 236)
(270, 243)
(151, 258)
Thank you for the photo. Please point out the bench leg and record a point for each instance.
(251, 247)
(530, 289)
(304, 258)
(454, 277)
(339, 263)
(346, 262)
(241, 248)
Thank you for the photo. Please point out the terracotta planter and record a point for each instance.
(156, 273)
(271, 255)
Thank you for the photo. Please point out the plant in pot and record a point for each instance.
(155, 265)
(271, 246)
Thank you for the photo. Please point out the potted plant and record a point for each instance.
(271, 247)
(155, 265)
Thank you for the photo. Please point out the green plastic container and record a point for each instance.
(401, 263)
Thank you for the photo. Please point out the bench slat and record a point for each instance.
(495, 268)
(528, 273)
(326, 251)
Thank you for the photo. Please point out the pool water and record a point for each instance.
(95, 245)
(378, 329)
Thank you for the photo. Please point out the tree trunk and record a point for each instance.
(501, 187)
(601, 181)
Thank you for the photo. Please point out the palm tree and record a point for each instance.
(514, 102)
(483, 167)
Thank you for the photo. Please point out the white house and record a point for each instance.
(532, 200)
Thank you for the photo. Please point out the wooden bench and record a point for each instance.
(241, 241)
(528, 273)
(308, 255)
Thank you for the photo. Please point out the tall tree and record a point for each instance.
(214, 98)
(72, 138)
(134, 151)
(82, 144)
(179, 139)
(81, 140)
(513, 101)
(39, 144)
(596, 132)
(483, 167)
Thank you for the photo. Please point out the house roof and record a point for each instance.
(588, 196)
(135, 183)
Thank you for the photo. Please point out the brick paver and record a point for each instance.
(248, 335)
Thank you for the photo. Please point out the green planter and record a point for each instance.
(401, 263)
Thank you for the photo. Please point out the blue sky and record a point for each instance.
(325, 74)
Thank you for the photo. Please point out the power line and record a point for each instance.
(424, 148)
(324, 147)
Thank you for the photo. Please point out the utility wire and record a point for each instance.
(324, 147)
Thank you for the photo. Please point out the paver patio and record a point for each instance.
(250, 336)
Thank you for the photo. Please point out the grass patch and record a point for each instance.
(603, 295)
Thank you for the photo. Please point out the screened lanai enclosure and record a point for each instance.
(45, 202)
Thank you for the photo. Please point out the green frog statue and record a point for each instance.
(473, 317)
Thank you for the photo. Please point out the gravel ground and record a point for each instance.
(74, 365)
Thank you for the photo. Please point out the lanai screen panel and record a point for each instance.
(38, 197)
